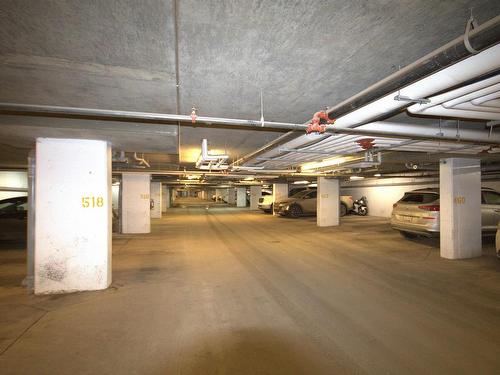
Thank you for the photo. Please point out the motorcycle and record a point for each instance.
(360, 206)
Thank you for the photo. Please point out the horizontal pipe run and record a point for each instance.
(130, 116)
(112, 115)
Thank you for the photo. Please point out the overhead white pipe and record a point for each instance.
(463, 71)
(141, 160)
(464, 102)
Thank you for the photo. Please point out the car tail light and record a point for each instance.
(430, 207)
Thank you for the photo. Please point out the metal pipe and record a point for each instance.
(144, 117)
(141, 160)
(476, 137)
(481, 38)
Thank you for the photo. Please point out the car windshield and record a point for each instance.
(11, 205)
(491, 197)
(419, 198)
(300, 194)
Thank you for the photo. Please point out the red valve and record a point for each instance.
(366, 143)
(315, 126)
(193, 115)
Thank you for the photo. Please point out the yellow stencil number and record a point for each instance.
(92, 202)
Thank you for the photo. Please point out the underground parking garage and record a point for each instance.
(248, 187)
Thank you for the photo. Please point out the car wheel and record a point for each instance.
(409, 235)
(295, 210)
(343, 210)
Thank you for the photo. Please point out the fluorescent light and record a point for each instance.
(355, 178)
(324, 163)
(377, 175)
(248, 179)
(313, 185)
(304, 182)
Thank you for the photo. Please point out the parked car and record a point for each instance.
(304, 203)
(13, 219)
(417, 213)
(266, 202)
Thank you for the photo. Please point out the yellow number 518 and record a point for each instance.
(92, 202)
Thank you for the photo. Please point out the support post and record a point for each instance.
(328, 202)
(241, 197)
(165, 198)
(460, 208)
(156, 200)
(255, 195)
(136, 217)
(280, 192)
(30, 258)
(73, 215)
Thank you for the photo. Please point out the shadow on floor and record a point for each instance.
(245, 351)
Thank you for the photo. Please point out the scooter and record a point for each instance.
(360, 206)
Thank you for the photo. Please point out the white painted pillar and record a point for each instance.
(328, 201)
(73, 215)
(136, 217)
(241, 197)
(255, 194)
(460, 208)
(165, 198)
(231, 196)
(156, 199)
(280, 192)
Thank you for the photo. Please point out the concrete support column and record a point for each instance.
(231, 196)
(241, 197)
(165, 198)
(460, 208)
(328, 202)
(280, 192)
(73, 215)
(255, 194)
(156, 199)
(136, 217)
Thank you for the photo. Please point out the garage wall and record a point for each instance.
(383, 193)
(14, 180)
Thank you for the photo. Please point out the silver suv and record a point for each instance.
(417, 213)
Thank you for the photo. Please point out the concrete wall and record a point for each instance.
(381, 195)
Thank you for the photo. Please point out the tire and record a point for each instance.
(408, 235)
(295, 211)
(363, 211)
(343, 210)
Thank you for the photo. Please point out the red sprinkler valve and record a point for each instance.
(316, 126)
(366, 143)
(193, 115)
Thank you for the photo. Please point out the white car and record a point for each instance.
(266, 202)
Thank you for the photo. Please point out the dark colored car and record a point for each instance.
(13, 218)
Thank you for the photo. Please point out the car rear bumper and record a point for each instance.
(265, 207)
(429, 230)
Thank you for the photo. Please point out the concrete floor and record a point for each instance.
(227, 291)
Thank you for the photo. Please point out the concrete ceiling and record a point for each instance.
(120, 54)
